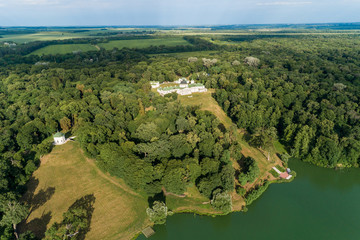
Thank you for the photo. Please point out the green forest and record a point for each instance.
(301, 91)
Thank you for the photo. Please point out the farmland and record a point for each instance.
(143, 43)
(41, 36)
(64, 48)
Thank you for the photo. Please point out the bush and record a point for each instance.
(256, 193)
(241, 191)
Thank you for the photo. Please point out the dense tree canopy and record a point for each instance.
(303, 91)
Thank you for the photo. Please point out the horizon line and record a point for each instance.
(174, 25)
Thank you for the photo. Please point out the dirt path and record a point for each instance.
(173, 194)
(97, 47)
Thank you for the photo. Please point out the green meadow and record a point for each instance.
(143, 43)
(64, 48)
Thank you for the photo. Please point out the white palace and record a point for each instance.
(184, 87)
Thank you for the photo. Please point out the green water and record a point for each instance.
(319, 204)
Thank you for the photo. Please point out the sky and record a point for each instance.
(172, 12)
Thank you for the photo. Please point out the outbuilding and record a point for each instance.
(59, 138)
(183, 84)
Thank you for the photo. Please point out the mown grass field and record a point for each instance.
(143, 43)
(66, 175)
(64, 48)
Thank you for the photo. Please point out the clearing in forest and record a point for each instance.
(65, 176)
(192, 202)
(143, 43)
(64, 48)
(260, 157)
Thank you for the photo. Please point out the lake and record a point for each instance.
(319, 204)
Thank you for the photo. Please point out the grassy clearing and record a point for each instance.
(193, 202)
(143, 43)
(206, 103)
(64, 48)
(279, 147)
(260, 156)
(65, 176)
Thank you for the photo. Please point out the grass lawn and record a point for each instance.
(64, 48)
(66, 175)
(279, 147)
(206, 102)
(193, 202)
(143, 43)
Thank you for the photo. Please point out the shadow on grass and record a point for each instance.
(86, 203)
(157, 197)
(37, 200)
(38, 225)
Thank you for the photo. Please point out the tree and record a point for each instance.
(147, 132)
(158, 212)
(65, 124)
(221, 201)
(76, 221)
(252, 61)
(264, 138)
(14, 213)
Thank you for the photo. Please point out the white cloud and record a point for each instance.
(282, 3)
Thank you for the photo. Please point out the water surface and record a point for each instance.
(319, 204)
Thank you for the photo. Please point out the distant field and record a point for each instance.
(65, 176)
(197, 54)
(64, 48)
(42, 36)
(143, 43)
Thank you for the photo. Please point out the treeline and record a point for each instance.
(27, 48)
(18, 54)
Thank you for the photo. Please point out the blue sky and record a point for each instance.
(171, 12)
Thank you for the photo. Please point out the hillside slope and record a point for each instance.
(65, 176)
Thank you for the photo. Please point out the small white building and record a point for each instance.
(154, 84)
(59, 138)
(183, 84)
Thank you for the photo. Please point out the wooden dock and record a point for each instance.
(148, 232)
